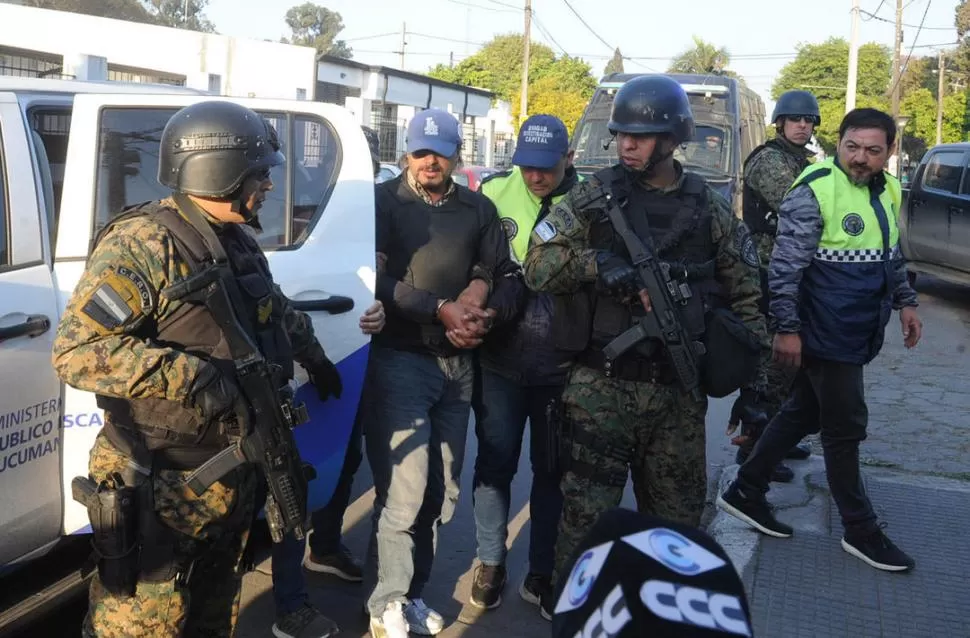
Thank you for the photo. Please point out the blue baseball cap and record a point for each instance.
(434, 130)
(543, 141)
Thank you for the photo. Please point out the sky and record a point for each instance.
(760, 35)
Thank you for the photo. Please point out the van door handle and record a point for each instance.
(34, 326)
(334, 304)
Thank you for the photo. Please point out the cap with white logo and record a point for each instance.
(434, 130)
(543, 141)
(638, 575)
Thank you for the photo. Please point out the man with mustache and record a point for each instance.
(632, 414)
(445, 280)
(769, 172)
(521, 373)
(836, 275)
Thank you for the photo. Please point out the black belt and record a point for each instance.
(630, 367)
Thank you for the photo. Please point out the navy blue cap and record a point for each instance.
(638, 575)
(543, 141)
(434, 130)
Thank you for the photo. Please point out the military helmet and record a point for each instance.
(796, 102)
(652, 104)
(210, 148)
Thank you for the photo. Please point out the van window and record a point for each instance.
(128, 170)
(50, 127)
(4, 254)
(943, 171)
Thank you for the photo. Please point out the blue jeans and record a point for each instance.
(502, 407)
(415, 442)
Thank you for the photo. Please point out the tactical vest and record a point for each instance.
(677, 227)
(191, 328)
(757, 214)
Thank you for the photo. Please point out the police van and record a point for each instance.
(72, 154)
(729, 120)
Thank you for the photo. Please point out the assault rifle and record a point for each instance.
(267, 437)
(667, 298)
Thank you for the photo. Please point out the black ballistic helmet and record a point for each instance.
(796, 102)
(208, 149)
(652, 104)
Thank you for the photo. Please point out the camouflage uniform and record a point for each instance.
(119, 362)
(770, 173)
(658, 427)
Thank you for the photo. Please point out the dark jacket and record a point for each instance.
(433, 252)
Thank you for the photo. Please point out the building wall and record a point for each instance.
(236, 66)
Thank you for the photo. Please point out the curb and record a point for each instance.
(738, 540)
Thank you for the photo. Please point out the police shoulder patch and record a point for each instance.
(853, 224)
(546, 230)
(120, 298)
(745, 246)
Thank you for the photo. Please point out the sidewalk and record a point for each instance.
(808, 586)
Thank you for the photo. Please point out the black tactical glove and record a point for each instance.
(748, 413)
(325, 378)
(615, 275)
(217, 398)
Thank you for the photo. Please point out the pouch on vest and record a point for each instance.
(733, 353)
(572, 320)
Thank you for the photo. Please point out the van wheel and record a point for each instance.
(911, 276)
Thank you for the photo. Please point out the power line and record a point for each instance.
(371, 37)
(585, 24)
(881, 2)
(873, 16)
(478, 6)
(438, 37)
(548, 36)
(913, 46)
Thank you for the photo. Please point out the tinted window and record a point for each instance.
(128, 170)
(943, 171)
(4, 255)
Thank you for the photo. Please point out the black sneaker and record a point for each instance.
(487, 587)
(305, 622)
(535, 587)
(780, 474)
(878, 551)
(546, 605)
(341, 564)
(754, 511)
(800, 452)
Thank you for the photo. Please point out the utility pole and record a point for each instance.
(451, 59)
(524, 98)
(404, 43)
(897, 62)
(939, 102)
(853, 59)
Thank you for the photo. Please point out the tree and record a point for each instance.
(497, 66)
(616, 64)
(317, 27)
(171, 13)
(823, 69)
(562, 90)
(703, 57)
(131, 10)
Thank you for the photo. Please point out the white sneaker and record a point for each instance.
(423, 620)
(391, 624)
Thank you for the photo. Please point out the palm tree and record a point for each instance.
(704, 57)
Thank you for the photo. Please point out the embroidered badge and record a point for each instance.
(852, 224)
(745, 247)
(510, 227)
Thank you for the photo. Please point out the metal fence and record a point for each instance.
(502, 150)
(30, 64)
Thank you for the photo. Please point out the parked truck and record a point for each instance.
(935, 218)
(72, 154)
